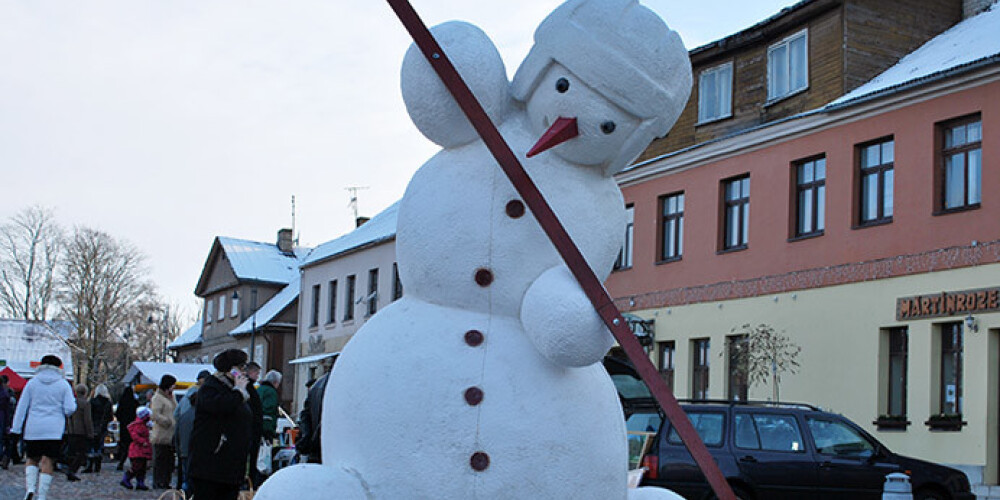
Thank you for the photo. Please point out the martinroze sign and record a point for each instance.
(948, 304)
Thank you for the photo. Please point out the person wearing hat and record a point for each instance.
(140, 451)
(184, 417)
(220, 439)
(40, 415)
(163, 405)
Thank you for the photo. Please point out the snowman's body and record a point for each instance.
(396, 409)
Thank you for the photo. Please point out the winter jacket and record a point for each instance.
(45, 403)
(140, 447)
(184, 421)
(100, 414)
(310, 421)
(162, 406)
(80, 423)
(220, 441)
(269, 402)
(6, 410)
(125, 413)
(257, 410)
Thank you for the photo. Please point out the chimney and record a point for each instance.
(285, 240)
(360, 221)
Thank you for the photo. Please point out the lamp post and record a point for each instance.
(253, 323)
(642, 329)
(161, 334)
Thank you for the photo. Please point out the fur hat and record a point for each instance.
(226, 360)
(143, 412)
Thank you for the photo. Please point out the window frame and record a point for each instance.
(743, 223)
(942, 155)
(234, 306)
(222, 308)
(331, 307)
(787, 43)
(737, 384)
(314, 309)
(958, 353)
(701, 349)
(372, 297)
(209, 310)
(351, 285)
(677, 234)
(817, 198)
(899, 345)
(880, 172)
(667, 351)
(625, 254)
(397, 284)
(717, 92)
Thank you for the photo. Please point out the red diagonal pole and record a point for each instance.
(592, 287)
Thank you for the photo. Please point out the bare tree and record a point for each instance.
(761, 353)
(30, 243)
(104, 286)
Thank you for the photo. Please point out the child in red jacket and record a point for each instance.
(140, 451)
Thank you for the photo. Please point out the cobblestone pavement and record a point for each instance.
(103, 486)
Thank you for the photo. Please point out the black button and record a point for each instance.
(479, 461)
(515, 209)
(473, 396)
(484, 277)
(474, 338)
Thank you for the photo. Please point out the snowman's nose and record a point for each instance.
(561, 131)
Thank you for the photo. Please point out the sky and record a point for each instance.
(166, 124)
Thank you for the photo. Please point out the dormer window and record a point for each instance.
(715, 93)
(787, 66)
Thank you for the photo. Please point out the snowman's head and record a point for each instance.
(602, 61)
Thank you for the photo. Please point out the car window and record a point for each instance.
(644, 422)
(833, 437)
(765, 431)
(709, 426)
(630, 387)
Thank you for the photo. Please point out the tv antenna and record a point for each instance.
(353, 204)
(294, 236)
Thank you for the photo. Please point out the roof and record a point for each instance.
(150, 372)
(380, 228)
(190, 336)
(272, 308)
(252, 261)
(313, 358)
(974, 40)
(787, 18)
(24, 342)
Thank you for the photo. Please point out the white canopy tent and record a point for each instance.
(149, 373)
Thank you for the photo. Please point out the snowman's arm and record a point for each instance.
(560, 321)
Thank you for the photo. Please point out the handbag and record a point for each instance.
(264, 457)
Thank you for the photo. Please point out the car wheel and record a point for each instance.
(931, 494)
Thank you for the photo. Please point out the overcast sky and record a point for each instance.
(167, 123)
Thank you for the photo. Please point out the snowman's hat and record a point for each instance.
(622, 50)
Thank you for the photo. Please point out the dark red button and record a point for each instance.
(484, 277)
(515, 208)
(479, 461)
(474, 338)
(473, 396)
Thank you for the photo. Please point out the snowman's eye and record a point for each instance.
(608, 127)
(562, 85)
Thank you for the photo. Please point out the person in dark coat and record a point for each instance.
(257, 424)
(79, 433)
(6, 417)
(125, 415)
(310, 420)
(184, 416)
(220, 439)
(100, 413)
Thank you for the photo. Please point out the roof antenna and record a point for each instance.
(353, 204)
(295, 241)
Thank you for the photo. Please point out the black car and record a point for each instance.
(776, 451)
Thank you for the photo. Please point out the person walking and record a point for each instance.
(268, 392)
(140, 451)
(6, 417)
(100, 414)
(79, 433)
(220, 439)
(257, 422)
(125, 414)
(40, 417)
(311, 420)
(184, 418)
(163, 405)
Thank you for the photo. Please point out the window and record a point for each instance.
(372, 291)
(962, 161)
(349, 299)
(896, 390)
(672, 226)
(314, 317)
(765, 431)
(876, 165)
(737, 388)
(699, 368)
(209, 310)
(667, 363)
(397, 285)
(235, 302)
(950, 401)
(331, 312)
(736, 210)
(787, 66)
(625, 256)
(222, 307)
(810, 197)
(710, 427)
(715, 93)
(833, 437)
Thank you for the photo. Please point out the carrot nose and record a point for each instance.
(561, 131)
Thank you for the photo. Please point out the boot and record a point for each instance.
(141, 484)
(97, 464)
(126, 480)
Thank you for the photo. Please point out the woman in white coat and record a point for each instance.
(41, 417)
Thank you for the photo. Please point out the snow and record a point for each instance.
(313, 358)
(23, 342)
(380, 228)
(972, 40)
(271, 308)
(190, 336)
(150, 372)
(254, 260)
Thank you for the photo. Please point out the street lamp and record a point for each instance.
(161, 334)
(642, 329)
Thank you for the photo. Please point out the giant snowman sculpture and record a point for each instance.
(484, 380)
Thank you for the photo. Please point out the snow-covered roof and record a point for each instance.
(190, 336)
(313, 358)
(25, 342)
(150, 372)
(271, 308)
(974, 40)
(380, 228)
(257, 261)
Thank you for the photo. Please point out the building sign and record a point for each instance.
(948, 304)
